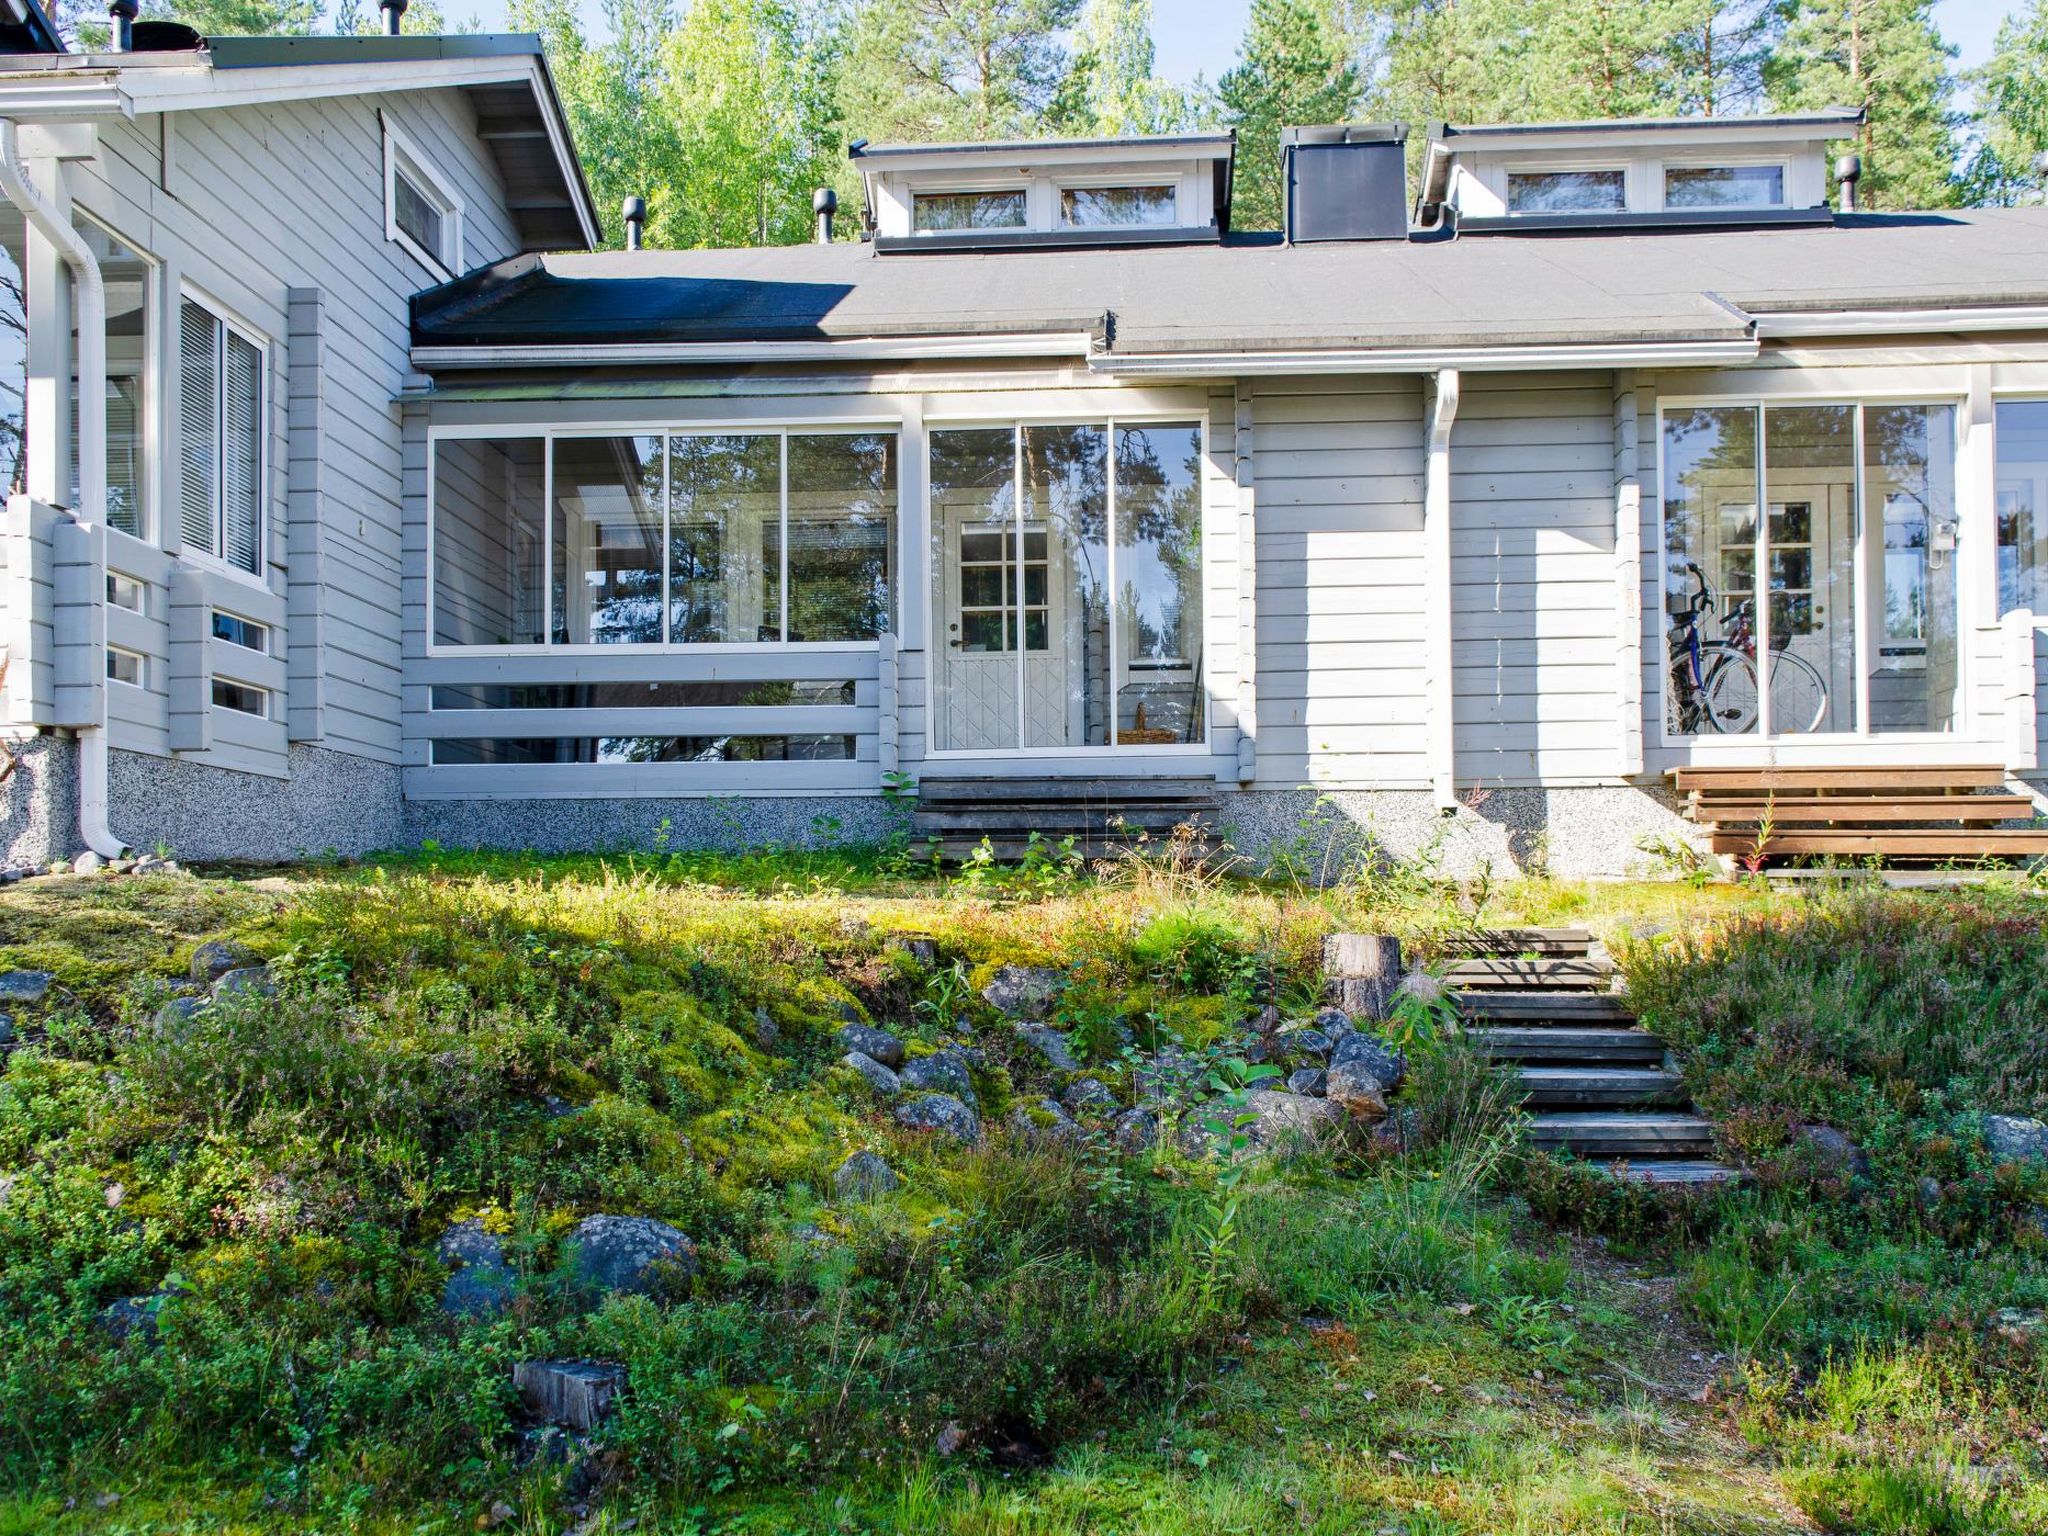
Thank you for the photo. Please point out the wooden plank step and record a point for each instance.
(1959, 843)
(1847, 808)
(1014, 850)
(1013, 791)
(1678, 1172)
(1544, 1007)
(1601, 1087)
(1051, 818)
(1560, 974)
(1615, 1134)
(1968, 776)
(1544, 1044)
(1511, 943)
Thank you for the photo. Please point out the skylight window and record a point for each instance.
(1119, 207)
(1566, 192)
(944, 212)
(1724, 186)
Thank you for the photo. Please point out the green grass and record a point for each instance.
(1427, 1343)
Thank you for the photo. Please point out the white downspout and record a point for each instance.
(1440, 731)
(90, 294)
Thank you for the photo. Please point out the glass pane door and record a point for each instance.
(1914, 663)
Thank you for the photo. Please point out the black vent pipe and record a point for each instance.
(394, 15)
(634, 211)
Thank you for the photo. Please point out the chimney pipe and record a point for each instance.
(824, 203)
(394, 15)
(634, 211)
(121, 16)
(1849, 171)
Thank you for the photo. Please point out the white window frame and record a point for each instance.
(1727, 163)
(1618, 167)
(1968, 528)
(402, 157)
(214, 557)
(1111, 184)
(983, 188)
(782, 427)
(151, 432)
(261, 692)
(128, 653)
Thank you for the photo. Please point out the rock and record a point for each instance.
(952, 1440)
(1305, 1040)
(1050, 1044)
(59, 867)
(244, 981)
(1089, 1097)
(87, 863)
(1832, 1154)
(482, 1283)
(1168, 1074)
(941, 1112)
(1927, 1190)
(217, 957)
(1375, 1055)
(174, 1015)
(766, 1035)
(1308, 1081)
(25, 986)
(576, 1394)
(1136, 1130)
(940, 1072)
(920, 947)
(1044, 1124)
(120, 866)
(2009, 1138)
(136, 1316)
(1023, 991)
(879, 1077)
(1284, 1119)
(864, 1176)
(1335, 1024)
(1353, 1086)
(870, 1041)
(496, 1515)
(629, 1255)
(6, 1029)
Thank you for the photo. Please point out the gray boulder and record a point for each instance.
(1023, 991)
(1353, 1087)
(1831, 1154)
(6, 1029)
(25, 986)
(1334, 1023)
(1044, 1124)
(482, 1281)
(137, 1317)
(244, 981)
(175, 1014)
(1308, 1081)
(869, 1041)
(766, 1036)
(1136, 1130)
(2016, 1139)
(940, 1072)
(864, 1176)
(1283, 1120)
(217, 957)
(1089, 1097)
(940, 1112)
(878, 1077)
(1305, 1040)
(924, 950)
(629, 1255)
(87, 863)
(1375, 1055)
(1050, 1044)
(576, 1394)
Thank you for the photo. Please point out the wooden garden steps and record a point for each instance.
(1104, 816)
(1855, 812)
(1598, 1084)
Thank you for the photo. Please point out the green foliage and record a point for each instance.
(1290, 71)
(2012, 90)
(921, 70)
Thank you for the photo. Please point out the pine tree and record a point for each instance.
(1111, 89)
(1290, 73)
(2012, 95)
(1888, 57)
(922, 70)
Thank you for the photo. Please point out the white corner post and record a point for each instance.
(89, 294)
(1440, 740)
(1628, 579)
(2022, 744)
(1243, 445)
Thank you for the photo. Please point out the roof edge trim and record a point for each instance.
(1899, 322)
(850, 349)
(1501, 359)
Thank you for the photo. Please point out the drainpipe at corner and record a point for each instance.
(90, 294)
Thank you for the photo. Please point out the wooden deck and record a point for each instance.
(1959, 815)
(1102, 815)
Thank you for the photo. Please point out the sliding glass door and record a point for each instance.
(1066, 577)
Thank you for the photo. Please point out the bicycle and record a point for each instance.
(1714, 682)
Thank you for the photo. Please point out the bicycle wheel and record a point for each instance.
(1729, 694)
(1799, 694)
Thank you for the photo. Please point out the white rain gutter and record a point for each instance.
(1649, 354)
(90, 294)
(852, 349)
(1902, 322)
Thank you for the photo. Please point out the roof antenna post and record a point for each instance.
(824, 203)
(121, 16)
(1849, 171)
(634, 211)
(394, 15)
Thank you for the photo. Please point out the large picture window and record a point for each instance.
(1067, 586)
(220, 438)
(2022, 502)
(1810, 569)
(680, 538)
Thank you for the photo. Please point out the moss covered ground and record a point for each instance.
(1028, 1336)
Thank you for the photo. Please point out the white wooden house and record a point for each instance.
(1051, 476)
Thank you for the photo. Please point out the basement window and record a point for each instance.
(937, 213)
(242, 698)
(1118, 207)
(1567, 191)
(422, 212)
(1724, 186)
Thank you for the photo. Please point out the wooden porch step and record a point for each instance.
(1064, 818)
(1925, 842)
(1863, 808)
(1601, 1087)
(1847, 777)
(1023, 789)
(1603, 1137)
(1549, 974)
(1679, 1172)
(1538, 1044)
(1546, 1007)
(1516, 943)
(1014, 850)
